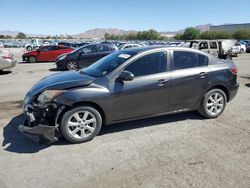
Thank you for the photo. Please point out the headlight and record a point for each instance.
(48, 95)
(62, 57)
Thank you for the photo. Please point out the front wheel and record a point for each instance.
(32, 59)
(81, 124)
(72, 65)
(213, 103)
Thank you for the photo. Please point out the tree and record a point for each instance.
(241, 34)
(21, 36)
(190, 34)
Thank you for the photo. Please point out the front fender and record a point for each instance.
(95, 94)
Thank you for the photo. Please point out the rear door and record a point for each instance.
(214, 48)
(189, 73)
(102, 51)
(87, 55)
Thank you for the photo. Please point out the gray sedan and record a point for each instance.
(126, 85)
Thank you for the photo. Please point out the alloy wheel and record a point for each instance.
(81, 124)
(72, 65)
(215, 103)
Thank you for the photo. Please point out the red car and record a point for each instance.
(46, 53)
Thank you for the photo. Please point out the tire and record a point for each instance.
(241, 51)
(213, 103)
(76, 129)
(72, 65)
(32, 59)
(29, 48)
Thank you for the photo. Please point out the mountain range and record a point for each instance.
(99, 33)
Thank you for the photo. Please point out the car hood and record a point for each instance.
(65, 80)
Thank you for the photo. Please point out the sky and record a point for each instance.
(53, 17)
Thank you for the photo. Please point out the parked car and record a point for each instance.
(248, 48)
(46, 53)
(7, 60)
(125, 46)
(126, 85)
(84, 56)
(222, 49)
(33, 44)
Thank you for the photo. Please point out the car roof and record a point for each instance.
(148, 48)
(153, 47)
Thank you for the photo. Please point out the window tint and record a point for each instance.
(57, 47)
(148, 64)
(202, 60)
(46, 48)
(184, 60)
(213, 45)
(102, 48)
(88, 49)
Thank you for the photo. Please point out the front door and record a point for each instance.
(147, 94)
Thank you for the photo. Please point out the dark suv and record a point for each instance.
(126, 85)
(84, 56)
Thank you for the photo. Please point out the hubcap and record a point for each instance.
(81, 124)
(72, 65)
(32, 59)
(215, 103)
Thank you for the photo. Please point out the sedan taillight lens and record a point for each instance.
(7, 57)
(234, 70)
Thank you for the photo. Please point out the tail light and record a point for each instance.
(234, 70)
(7, 57)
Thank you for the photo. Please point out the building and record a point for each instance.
(231, 27)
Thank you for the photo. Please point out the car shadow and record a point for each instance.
(4, 72)
(43, 62)
(55, 70)
(136, 124)
(247, 85)
(14, 141)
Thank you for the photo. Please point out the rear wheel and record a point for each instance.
(32, 59)
(81, 124)
(213, 103)
(72, 65)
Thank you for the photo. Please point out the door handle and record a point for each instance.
(161, 82)
(203, 74)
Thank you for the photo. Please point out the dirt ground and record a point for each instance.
(182, 150)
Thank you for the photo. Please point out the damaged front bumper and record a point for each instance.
(41, 123)
(40, 133)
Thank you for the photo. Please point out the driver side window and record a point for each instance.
(149, 64)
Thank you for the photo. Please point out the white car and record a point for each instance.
(241, 47)
(7, 60)
(130, 46)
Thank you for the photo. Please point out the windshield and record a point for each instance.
(107, 64)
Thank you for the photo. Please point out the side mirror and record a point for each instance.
(38, 50)
(126, 76)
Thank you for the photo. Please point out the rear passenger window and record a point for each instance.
(213, 45)
(184, 60)
(102, 48)
(202, 60)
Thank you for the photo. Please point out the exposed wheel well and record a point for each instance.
(94, 105)
(223, 88)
